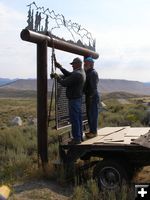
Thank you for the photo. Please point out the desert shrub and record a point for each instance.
(80, 193)
(135, 114)
(91, 191)
(9, 108)
(123, 115)
(53, 150)
(146, 119)
(18, 138)
(14, 165)
(112, 119)
(18, 147)
(115, 108)
(132, 117)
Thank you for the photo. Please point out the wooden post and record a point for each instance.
(42, 115)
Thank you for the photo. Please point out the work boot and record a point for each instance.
(90, 135)
(74, 142)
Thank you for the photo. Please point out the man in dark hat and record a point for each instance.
(92, 96)
(74, 83)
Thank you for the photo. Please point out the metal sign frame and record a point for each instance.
(44, 20)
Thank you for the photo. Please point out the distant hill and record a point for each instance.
(4, 81)
(119, 95)
(116, 85)
(147, 83)
(11, 93)
(105, 86)
(24, 84)
(21, 84)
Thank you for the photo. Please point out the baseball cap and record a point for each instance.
(76, 60)
(90, 59)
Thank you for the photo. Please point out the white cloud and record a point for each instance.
(17, 57)
(9, 18)
(124, 51)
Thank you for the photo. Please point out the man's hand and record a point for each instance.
(54, 75)
(57, 65)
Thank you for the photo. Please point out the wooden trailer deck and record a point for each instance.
(117, 135)
(113, 136)
(128, 142)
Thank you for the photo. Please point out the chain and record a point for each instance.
(53, 84)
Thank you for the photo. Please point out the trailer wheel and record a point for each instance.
(110, 174)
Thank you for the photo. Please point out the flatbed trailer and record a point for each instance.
(121, 151)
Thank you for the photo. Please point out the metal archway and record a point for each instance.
(44, 41)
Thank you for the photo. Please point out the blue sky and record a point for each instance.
(121, 29)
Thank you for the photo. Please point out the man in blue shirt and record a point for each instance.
(92, 96)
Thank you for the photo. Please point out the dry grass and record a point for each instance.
(18, 158)
(9, 108)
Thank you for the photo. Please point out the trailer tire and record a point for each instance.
(110, 174)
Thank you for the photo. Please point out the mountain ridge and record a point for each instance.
(4, 81)
(105, 86)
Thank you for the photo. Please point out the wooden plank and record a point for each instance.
(108, 133)
(118, 135)
(137, 131)
(127, 141)
(114, 137)
(92, 140)
(109, 130)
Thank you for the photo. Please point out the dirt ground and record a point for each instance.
(50, 190)
(40, 190)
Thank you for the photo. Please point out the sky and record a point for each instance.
(121, 29)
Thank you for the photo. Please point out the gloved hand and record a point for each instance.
(54, 75)
(57, 65)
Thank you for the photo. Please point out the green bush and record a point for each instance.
(13, 165)
(123, 114)
(18, 147)
(18, 138)
(80, 193)
(91, 191)
(112, 119)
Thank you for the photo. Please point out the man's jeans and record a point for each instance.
(92, 108)
(75, 113)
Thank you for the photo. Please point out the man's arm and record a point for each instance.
(70, 80)
(64, 71)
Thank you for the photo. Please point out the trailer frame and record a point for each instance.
(119, 161)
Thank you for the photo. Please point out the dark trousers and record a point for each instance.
(92, 109)
(75, 114)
